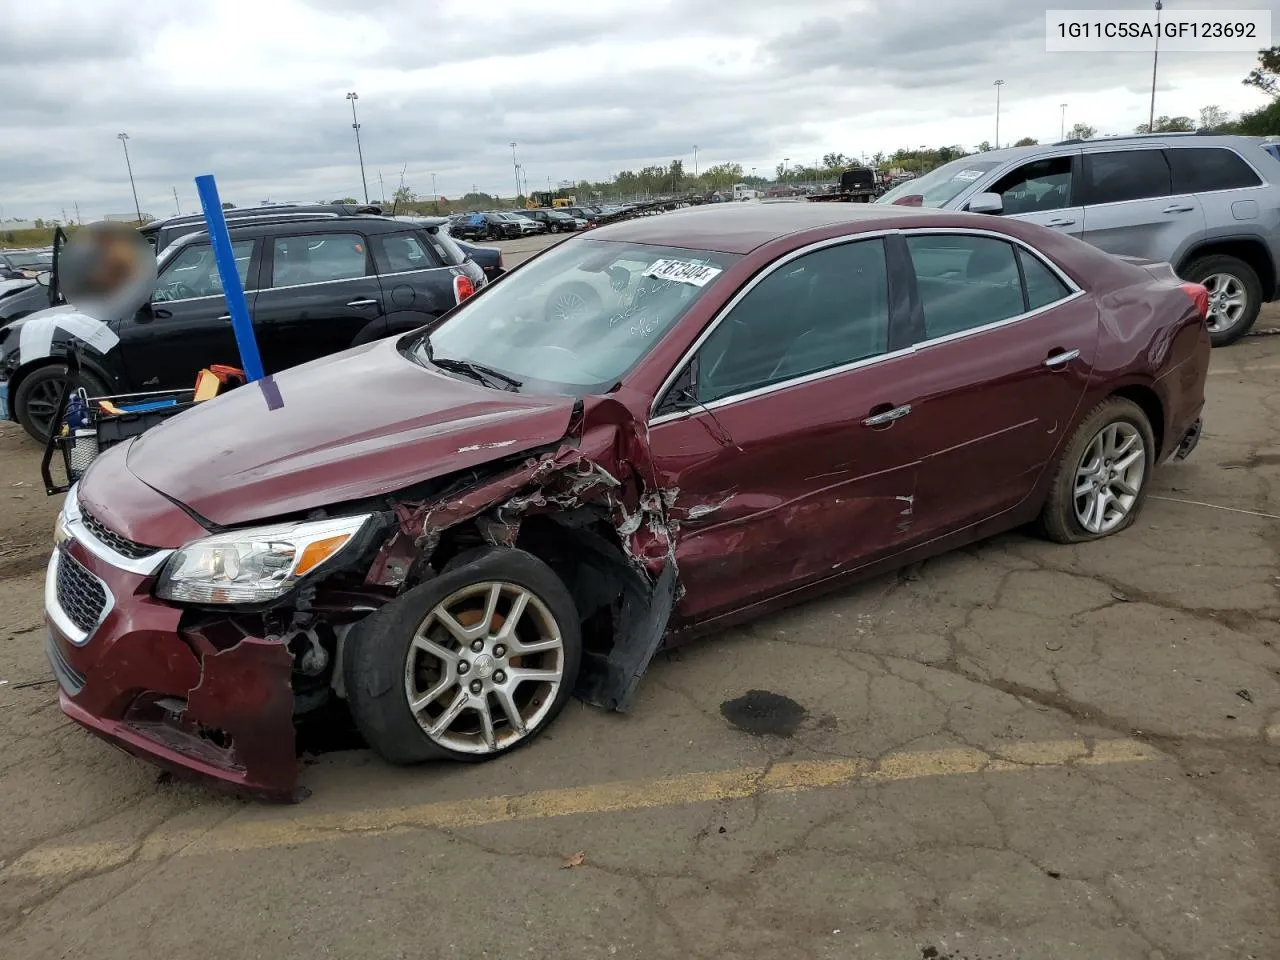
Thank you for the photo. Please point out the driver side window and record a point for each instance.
(1036, 187)
(193, 272)
(818, 312)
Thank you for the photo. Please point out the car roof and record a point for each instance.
(741, 227)
(301, 225)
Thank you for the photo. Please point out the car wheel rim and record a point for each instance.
(1228, 300)
(42, 404)
(1109, 477)
(484, 668)
(568, 306)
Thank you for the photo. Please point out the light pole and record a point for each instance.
(923, 148)
(998, 85)
(785, 161)
(355, 125)
(695, 161)
(1062, 135)
(124, 142)
(435, 194)
(516, 166)
(1155, 61)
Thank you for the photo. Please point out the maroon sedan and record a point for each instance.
(643, 434)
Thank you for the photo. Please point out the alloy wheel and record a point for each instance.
(1228, 300)
(1109, 477)
(42, 404)
(484, 668)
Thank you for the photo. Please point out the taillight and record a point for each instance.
(910, 200)
(462, 287)
(1199, 296)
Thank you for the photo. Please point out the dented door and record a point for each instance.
(790, 459)
(801, 490)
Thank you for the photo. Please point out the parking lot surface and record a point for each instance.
(1019, 750)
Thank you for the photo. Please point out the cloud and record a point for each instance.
(255, 92)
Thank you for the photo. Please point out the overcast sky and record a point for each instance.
(253, 91)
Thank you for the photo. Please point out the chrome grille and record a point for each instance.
(81, 595)
(122, 546)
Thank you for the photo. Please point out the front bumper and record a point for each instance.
(1190, 440)
(129, 671)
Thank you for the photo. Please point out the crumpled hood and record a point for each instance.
(361, 423)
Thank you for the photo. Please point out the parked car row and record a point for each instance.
(507, 225)
(458, 529)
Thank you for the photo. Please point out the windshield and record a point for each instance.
(938, 187)
(41, 260)
(577, 318)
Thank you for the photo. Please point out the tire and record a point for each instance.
(381, 677)
(572, 301)
(1221, 272)
(39, 390)
(1060, 519)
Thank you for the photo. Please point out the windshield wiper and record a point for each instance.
(477, 371)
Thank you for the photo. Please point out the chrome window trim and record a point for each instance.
(1075, 292)
(74, 525)
(54, 609)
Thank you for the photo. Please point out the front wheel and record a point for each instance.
(471, 664)
(35, 402)
(1100, 483)
(1235, 295)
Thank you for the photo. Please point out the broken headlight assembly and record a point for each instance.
(254, 565)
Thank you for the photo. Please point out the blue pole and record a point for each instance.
(232, 288)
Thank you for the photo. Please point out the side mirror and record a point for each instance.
(44, 278)
(987, 203)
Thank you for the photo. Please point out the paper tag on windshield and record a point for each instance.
(967, 175)
(682, 271)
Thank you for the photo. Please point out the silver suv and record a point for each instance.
(1209, 205)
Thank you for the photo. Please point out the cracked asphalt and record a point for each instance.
(1019, 751)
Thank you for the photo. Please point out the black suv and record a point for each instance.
(315, 287)
(553, 220)
(485, 226)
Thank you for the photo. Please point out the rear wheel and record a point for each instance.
(36, 400)
(1100, 483)
(470, 665)
(1235, 295)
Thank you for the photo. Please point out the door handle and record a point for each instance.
(1059, 360)
(1059, 222)
(886, 417)
(363, 303)
(226, 317)
(1177, 208)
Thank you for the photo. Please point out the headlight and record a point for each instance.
(254, 565)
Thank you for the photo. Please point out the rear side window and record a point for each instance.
(965, 282)
(1120, 175)
(1204, 169)
(448, 251)
(403, 252)
(318, 258)
(1043, 285)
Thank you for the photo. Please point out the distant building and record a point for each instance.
(18, 225)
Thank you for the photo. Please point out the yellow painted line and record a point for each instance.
(619, 797)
